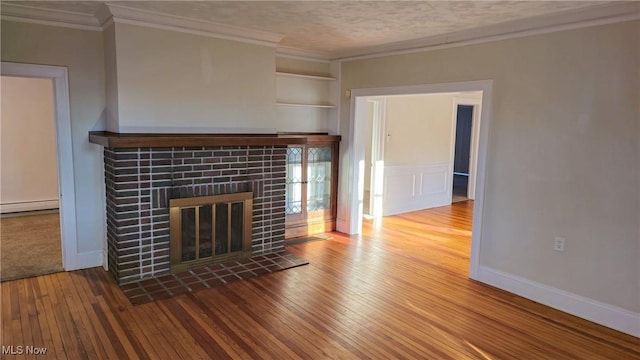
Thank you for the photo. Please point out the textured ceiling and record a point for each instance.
(340, 26)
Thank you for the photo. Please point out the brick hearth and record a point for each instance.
(140, 182)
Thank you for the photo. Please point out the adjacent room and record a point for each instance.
(30, 242)
(431, 163)
(339, 179)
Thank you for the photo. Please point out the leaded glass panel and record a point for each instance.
(293, 197)
(319, 178)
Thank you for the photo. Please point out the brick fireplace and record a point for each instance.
(141, 180)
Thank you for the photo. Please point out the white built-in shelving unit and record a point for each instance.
(297, 89)
(306, 93)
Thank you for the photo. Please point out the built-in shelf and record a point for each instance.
(306, 92)
(327, 106)
(305, 76)
(302, 90)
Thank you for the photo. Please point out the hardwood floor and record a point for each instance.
(399, 291)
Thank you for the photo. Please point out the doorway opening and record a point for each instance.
(29, 223)
(64, 198)
(420, 180)
(467, 111)
(418, 151)
(462, 153)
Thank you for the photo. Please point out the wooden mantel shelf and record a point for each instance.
(138, 140)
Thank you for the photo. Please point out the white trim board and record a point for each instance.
(67, 198)
(123, 14)
(70, 19)
(614, 317)
(29, 206)
(90, 259)
(50, 23)
(105, 236)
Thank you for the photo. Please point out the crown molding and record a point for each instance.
(612, 12)
(23, 13)
(116, 13)
(123, 14)
(574, 19)
(302, 54)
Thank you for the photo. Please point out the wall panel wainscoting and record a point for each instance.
(416, 187)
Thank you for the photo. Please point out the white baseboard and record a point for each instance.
(604, 314)
(105, 259)
(29, 206)
(86, 260)
(342, 226)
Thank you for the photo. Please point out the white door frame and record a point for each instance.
(475, 133)
(66, 187)
(356, 142)
(377, 156)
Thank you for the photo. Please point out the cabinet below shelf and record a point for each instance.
(328, 106)
(312, 186)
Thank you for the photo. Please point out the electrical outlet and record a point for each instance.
(558, 245)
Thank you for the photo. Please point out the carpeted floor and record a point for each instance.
(30, 245)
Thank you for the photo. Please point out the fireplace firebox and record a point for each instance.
(210, 229)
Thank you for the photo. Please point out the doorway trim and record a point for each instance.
(356, 144)
(377, 155)
(475, 133)
(67, 200)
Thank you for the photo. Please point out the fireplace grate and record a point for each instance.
(210, 229)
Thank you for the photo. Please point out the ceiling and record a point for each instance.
(340, 27)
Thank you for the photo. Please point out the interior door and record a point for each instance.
(462, 155)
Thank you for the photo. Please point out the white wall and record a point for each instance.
(173, 81)
(301, 119)
(82, 53)
(300, 66)
(418, 129)
(28, 170)
(564, 144)
(112, 117)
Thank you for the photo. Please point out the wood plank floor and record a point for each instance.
(399, 291)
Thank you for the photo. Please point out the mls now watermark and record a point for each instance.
(23, 350)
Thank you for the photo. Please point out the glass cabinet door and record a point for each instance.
(293, 197)
(319, 178)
